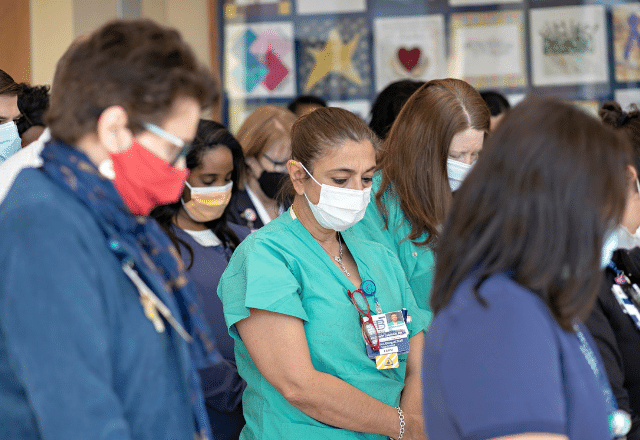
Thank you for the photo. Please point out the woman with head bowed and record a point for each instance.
(432, 145)
(306, 300)
(197, 224)
(519, 263)
(265, 137)
(100, 332)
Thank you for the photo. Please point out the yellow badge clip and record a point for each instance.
(386, 361)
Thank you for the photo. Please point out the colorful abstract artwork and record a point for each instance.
(259, 60)
(568, 45)
(238, 10)
(487, 49)
(409, 48)
(626, 42)
(334, 57)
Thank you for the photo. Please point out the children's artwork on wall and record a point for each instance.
(333, 57)
(360, 107)
(626, 42)
(487, 49)
(308, 7)
(626, 97)
(259, 60)
(409, 48)
(568, 45)
(239, 10)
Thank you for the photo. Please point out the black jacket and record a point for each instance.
(618, 339)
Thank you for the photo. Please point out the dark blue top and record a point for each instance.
(243, 212)
(209, 262)
(507, 369)
(78, 356)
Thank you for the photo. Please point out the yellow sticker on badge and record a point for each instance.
(386, 361)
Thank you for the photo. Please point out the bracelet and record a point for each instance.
(401, 416)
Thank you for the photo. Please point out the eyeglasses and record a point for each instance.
(170, 137)
(277, 165)
(369, 330)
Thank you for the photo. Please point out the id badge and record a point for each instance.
(393, 334)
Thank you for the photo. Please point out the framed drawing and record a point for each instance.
(487, 49)
(409, 48)
(626, 42)
(259, 60)
(568, 45)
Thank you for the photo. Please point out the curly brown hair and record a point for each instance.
(136, 64)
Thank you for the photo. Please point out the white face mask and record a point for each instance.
(627, 240)
(338, 208)
(9, 140)
(457, 171)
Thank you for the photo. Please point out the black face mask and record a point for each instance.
(270, 183)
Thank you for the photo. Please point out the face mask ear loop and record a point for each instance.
(307, 171)
(638, 184)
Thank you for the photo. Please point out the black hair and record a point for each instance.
(612, 114)
(388, 104)
(32, 103)
(305, 100)
(496, 102)
(210, 135)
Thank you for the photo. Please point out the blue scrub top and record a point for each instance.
(281, 268)
(507, 369)
(418, 262)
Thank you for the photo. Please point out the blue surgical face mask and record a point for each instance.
(9, 140)
(610, 244)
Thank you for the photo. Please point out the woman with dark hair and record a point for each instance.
(519, 263)
(498, 106)
(431, 146)
(100, 331)
(614, 322)
(388, 104)
(265, 137)
(307, 302)
(197, 225)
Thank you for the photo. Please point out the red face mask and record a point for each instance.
(144, 180)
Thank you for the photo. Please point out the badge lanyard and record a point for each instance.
(619, 420)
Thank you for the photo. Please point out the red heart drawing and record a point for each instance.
(409, 58)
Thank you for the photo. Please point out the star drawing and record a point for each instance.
(335, 56)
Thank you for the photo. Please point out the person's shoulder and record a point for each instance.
(508, 304)
(35, 201)
(241, 231)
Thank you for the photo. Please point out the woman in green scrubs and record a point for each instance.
(304, 297)
(431, 146)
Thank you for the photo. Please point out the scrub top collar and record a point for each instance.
(349, 239)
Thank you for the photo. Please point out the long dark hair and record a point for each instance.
(549, 184)
(414, 154)
(210, 135)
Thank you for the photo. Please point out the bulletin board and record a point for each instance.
(347, 51)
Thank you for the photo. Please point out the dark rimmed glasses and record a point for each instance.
(369, 330)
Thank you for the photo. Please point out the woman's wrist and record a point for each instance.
(401, 424)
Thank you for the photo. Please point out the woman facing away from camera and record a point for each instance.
(197, 224)
(519, 263)
(308, 303)
(431, 146)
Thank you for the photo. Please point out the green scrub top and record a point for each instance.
(281, 268)
(418, 262)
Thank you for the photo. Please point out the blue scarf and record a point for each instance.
(141, 241)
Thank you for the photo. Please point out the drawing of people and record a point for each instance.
(634, 35)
